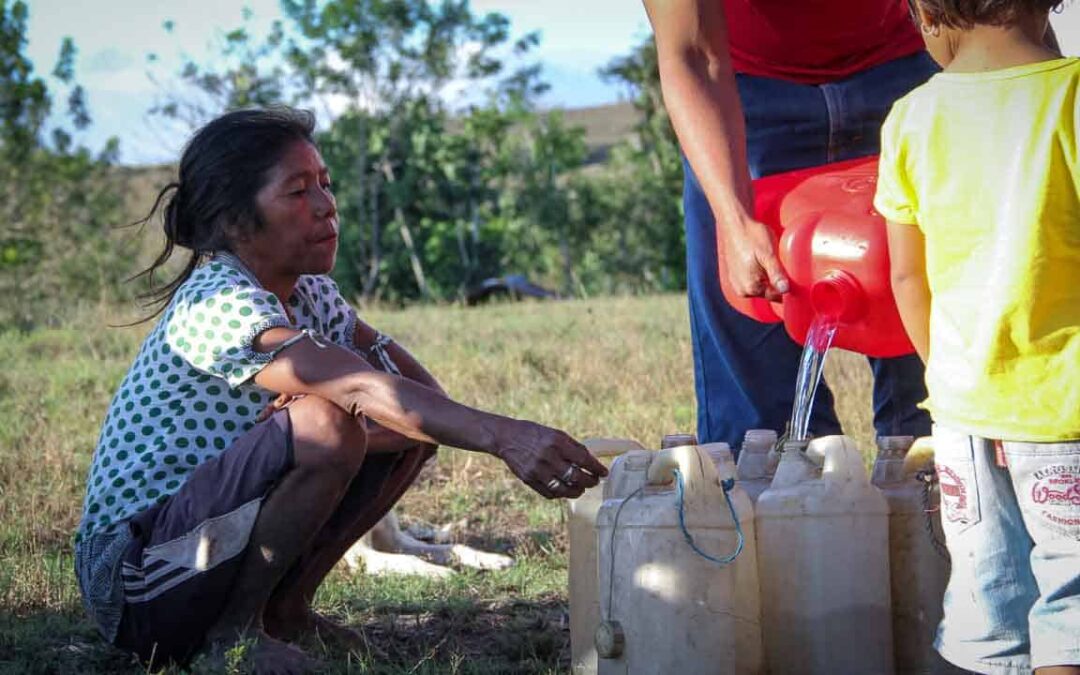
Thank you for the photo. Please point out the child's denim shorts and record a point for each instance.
(1013, 599)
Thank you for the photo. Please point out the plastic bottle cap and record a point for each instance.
(894, 444)
(610, 640)
(759, 440)
(838, 294)
(678, 440)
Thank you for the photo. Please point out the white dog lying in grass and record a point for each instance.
(387, 549)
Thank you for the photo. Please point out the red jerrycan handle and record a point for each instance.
(769, 193)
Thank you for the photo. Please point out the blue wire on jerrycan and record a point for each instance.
(678, 567)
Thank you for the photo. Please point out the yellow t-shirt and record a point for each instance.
(985, 164)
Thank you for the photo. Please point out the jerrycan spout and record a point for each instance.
(838, 295)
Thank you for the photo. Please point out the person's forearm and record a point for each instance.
(913, 302)
(401, 405)
(703, 101)
(384, 441)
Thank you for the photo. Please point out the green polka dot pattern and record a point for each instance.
(190, 391)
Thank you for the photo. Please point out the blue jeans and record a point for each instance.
(744, 371)
(1013, 600)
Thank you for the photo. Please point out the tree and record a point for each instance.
(392, 61)
(58, 201)
(642, 188)
(246, 73)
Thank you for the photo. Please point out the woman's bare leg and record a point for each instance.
(288, 613)
(328, 450)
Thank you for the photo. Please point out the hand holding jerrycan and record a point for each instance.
(832, 243)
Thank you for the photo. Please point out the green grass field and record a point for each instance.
(606, 367)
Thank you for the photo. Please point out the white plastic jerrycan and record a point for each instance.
(678, 568)
(918, 562)
(584, 597)
(757, 462)
(823, 547)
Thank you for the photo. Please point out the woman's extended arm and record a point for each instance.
(907, 262)
(534, 453)
(701, 97)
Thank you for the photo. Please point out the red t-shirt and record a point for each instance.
(817, 41)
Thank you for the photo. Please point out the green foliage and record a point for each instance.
(436, 198)
(57, 202)
(642, 190)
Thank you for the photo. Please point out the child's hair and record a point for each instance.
(965, 14)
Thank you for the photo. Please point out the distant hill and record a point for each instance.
(605, 125)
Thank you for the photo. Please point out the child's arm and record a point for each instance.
(907, 256)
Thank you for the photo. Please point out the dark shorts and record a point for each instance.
(184, 554)
(155, 584)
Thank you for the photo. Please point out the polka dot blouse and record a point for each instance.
(190, 392)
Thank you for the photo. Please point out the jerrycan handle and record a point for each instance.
(696, 467)
(840, 459)
(688, 464)
(610, 447)
(662, 468)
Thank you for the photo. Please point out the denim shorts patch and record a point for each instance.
(1013, 532)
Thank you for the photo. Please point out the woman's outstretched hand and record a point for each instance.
(547, 460)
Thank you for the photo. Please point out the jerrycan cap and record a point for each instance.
(610, 639)
(792, 445)
(758, 440)
(838, 294)
(894, 446)
(677, 440)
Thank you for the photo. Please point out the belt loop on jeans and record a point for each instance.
(999, 454)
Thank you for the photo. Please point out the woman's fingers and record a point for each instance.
(550, 461)
(588, 468)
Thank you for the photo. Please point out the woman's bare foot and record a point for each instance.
(306, 625)
(264, 655)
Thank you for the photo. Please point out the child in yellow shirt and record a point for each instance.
(980, 182)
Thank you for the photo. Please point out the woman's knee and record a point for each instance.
(325, 435)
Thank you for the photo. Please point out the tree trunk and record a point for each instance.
(406, 236)
(362, 207)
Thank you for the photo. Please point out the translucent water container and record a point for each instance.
(584, 596)
(918, 562)
(666, 607)
(823, 547)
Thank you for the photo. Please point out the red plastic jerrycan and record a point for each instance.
(833, 245)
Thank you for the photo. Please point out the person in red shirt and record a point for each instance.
(756, 87)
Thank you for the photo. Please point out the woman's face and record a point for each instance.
(299, 214)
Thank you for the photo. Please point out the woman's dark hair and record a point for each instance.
(222, 169)
(965, 14)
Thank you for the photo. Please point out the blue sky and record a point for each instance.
(114, 37)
